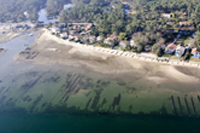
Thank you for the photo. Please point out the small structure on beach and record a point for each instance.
(55, 29)
(195, 52)
(180, 50)
(170, 48)
(74, 37)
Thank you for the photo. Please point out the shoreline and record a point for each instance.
(120, 53)
(51, 50)
(77, 77)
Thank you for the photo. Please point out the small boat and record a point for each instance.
(30, 34)
(25, 44)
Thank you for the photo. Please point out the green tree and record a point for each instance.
(122, 36)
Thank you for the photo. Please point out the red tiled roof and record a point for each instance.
(76, 26)
(171, 46)
(184, 23)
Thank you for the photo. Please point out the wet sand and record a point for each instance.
(67, 78)
(8, 36)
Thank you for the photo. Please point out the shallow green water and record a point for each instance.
(40, 98)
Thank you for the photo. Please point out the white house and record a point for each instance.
(195, 52)
(63, 35)
(179, 50)
(55, 29)
(166, 15)
(92, 38)
(99, 38)
(71, 36)
(110, 41)
(132, 43)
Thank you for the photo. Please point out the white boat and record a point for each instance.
(30, 34)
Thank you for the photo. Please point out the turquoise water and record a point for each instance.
(49, 99)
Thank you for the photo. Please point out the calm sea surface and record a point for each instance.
(56, 98)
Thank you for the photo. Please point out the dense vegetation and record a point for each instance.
(13, 10)
(54, 7)
(145, 22)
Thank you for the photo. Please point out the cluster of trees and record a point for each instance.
(13, 10)
(54, 7)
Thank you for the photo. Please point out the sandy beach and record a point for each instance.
(49, 49)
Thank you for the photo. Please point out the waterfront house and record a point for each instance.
(71, 36)
(99, 38)
(166, 15)
(184, 23)
(85, 39)
(55, 29)
(195, 52)
(92, 39)
(110, 41)
(179, 50)
(77, 37)
(123, 44)
(63, 35)
(170, 48)
(133, 44)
